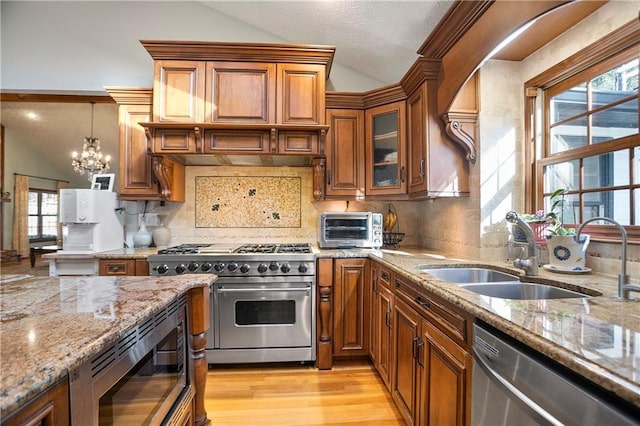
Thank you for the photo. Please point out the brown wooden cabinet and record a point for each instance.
(300, 94)
(178, 91)
(123, 267)
(138, 171)
(49, 408)
(345, 165)
(405, 371)
(351, 304)
(385, 155)
(431, 375)
(380, 347)
(436, 166)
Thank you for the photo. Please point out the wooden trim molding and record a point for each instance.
(252, 52)
(54, 98)
(455, 23)
(130, 95)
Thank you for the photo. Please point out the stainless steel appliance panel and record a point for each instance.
(263, 315)
(513, 385)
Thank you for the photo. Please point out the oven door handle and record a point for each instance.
(253, 290)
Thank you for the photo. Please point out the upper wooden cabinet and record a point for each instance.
(344, 150)
(436, 165)
(178, 91)
(385, 155)
(271, 93)
(141, 176)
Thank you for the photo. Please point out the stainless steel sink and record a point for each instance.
(489, 282)
(522, 291)
(469, 275)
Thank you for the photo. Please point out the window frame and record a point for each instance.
(618, 47)
(40, 238)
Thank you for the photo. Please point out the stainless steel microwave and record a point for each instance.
(350, 230)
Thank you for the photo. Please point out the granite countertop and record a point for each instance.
(598, 337)
(123, 253)
(51, 325)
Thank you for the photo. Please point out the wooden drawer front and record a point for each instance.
(174, 141)
(297, 143)
(178, 91)
(447, 318)
(245, 142)
(384, 277)
(240, 92)
(118, 267)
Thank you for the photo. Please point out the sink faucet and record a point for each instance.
(624, 287)
(529, 265)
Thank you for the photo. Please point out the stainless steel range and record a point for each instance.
(263, 302)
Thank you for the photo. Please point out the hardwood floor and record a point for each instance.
(293, 394)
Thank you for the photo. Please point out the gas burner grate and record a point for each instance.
(183, 249)
(256, 248)
(294, 248)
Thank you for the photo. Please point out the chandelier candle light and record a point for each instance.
(90, 160)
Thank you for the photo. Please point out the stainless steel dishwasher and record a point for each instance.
(514, 385)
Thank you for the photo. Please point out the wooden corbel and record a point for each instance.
(322, 141)
(149, 137)
(162, 174)
(461, 128)
(273, 141)
(198, 136)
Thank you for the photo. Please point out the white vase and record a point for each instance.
(566, 253)
(142, 238)
(161, 236)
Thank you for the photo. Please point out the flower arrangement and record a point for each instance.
(556, 224)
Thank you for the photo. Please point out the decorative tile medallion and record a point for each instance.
(248, 201)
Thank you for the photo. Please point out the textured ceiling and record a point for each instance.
(376, 38)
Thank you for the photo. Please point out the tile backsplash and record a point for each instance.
(248, 201)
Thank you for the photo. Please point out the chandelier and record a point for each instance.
(90, 160)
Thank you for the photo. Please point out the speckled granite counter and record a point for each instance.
(597, 337)
(50, 325)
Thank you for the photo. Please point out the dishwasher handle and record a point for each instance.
(531, 405)
(258, 289)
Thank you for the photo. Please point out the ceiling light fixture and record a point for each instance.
(90, 160)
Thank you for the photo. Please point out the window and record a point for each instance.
(43, 215)
(589, 140)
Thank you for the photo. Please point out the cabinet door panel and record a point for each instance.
(384, 338)
(417, 140)
(406, 333)
(351, 307)
(178, 92)
(345, 153)
(300, 94)
(135, 168)
(385, 150)
(240, 92)
(445, 396)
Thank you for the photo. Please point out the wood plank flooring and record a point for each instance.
(293, 394)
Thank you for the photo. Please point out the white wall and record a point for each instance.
(86, 45)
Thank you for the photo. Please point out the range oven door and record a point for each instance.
(263, 315)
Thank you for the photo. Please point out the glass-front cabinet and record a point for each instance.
(386, 144)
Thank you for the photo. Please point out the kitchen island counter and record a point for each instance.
(51, 325)
(597, 337)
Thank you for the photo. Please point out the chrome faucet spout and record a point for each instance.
(529, 265)
(624, 287)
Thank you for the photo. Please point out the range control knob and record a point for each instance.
(180, 268)
(193, 266)
(162, 269)
(219, 267)
(274, 266)
(285, 267)
(232, 266)
(245, 268)
(206, 267)
(262, 268)
(303, 268)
